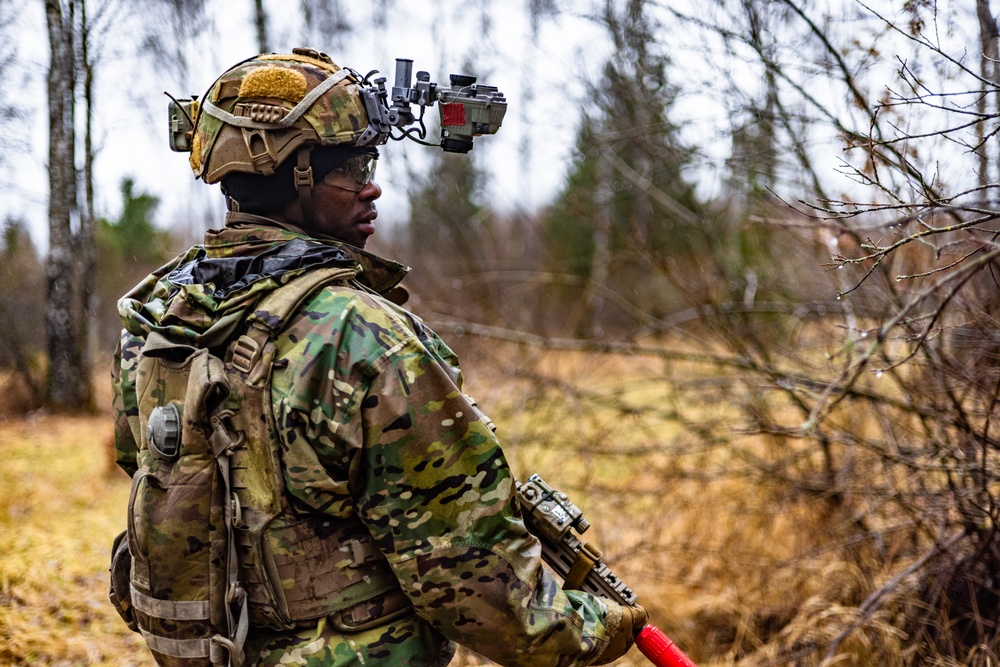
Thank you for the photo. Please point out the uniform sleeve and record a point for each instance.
(124, 406)
(374, 423)
(438, 496)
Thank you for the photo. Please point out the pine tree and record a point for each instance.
(626, 206)
(129, 248)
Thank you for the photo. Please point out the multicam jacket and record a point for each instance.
(373, 423)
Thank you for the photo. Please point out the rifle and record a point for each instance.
(551, 517)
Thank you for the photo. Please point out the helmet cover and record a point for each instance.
(261, 111)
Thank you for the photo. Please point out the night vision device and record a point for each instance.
(466, 109)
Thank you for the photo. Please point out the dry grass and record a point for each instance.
(60, 507)
(737, 567)
(734, 571)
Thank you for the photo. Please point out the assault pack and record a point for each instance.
(212, 542)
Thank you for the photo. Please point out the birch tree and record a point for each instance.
(989, 72)
(68, 380)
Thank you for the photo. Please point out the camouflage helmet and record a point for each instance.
(259, 113)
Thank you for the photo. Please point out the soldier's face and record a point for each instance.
(344, 214)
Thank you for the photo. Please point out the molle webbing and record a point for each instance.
(186, 599)
(295, 566)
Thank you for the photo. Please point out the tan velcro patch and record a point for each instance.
(280, 82)
(195, 157)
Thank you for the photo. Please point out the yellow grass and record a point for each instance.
(60, 507)
(730, 569)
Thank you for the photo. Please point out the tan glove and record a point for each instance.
(631, 620)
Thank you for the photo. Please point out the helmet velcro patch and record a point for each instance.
(279, 82)
(195, 157)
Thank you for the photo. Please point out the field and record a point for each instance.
(732, 570)
(62, 502)
(61, 505)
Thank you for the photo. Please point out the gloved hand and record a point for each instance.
(631, 620)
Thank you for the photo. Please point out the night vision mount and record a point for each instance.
(467, 109)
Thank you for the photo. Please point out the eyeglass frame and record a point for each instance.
(357, 172)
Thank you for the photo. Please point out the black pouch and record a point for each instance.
(119, 590)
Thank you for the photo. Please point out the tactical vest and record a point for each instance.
(215, 542)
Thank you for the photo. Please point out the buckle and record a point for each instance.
(303, 177)
(361, 551)
(245, 351)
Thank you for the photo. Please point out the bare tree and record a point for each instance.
(891, 428)
(260, 23)
(10, 113)
(168, 37)
(324, 23)
(92, 29)
(862, 391)
(88, 243)
(72, 259)
(989, 71)
(68, 383)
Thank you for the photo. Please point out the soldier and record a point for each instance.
(397, 533)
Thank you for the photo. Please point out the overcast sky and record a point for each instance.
(543, 79)
(131, 122)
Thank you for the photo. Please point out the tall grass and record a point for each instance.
(60, 507)
(750, 543)
(734, 561)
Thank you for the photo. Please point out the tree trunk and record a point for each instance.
(88, 242)
(68, 382)
(601, 266)
(988, 59)
(260, 22)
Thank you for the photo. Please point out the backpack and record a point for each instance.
(181, 589)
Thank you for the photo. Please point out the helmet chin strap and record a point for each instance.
(304, 184)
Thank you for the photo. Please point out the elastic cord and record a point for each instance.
(293, 115)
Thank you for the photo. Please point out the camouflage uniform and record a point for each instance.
(372, 421)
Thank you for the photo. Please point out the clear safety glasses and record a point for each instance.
(354, 174)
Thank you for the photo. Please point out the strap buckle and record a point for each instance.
(245, 352)
(303, 177)
(362, 550)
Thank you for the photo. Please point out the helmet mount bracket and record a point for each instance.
(262, 154)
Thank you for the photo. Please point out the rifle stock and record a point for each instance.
(552, 517)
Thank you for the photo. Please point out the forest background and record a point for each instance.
(755, 313)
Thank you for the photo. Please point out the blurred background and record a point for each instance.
(728, 273)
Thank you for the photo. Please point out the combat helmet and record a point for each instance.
(271, 108)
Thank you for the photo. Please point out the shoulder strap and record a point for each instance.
(275, 308)
(272, 312)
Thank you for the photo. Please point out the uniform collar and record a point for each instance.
(378, 273)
